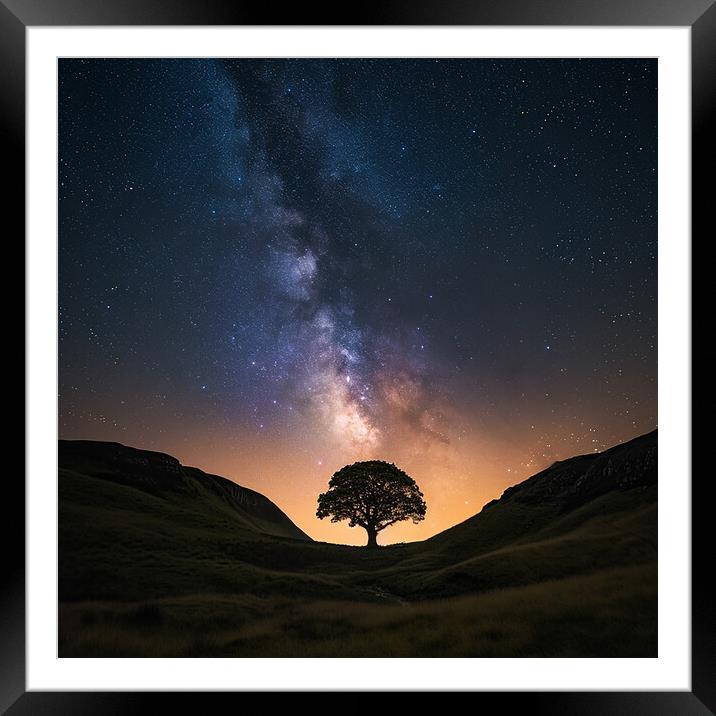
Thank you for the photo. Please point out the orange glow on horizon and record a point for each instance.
(457, 480)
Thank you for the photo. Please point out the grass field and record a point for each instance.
(610, 613)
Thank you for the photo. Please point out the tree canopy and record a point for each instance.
(374, 495)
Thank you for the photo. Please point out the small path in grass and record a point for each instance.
(382, 594)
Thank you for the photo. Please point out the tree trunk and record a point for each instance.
(372, 534)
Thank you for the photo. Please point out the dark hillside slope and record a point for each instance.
(546, 499)
(135, 524)
(164, 476)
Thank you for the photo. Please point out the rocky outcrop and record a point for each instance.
(579, 479)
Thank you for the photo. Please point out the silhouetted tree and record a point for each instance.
(372, 494)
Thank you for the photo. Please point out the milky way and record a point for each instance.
(271, 268)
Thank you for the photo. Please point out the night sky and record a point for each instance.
(272, 268)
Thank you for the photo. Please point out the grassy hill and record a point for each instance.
(158, 559)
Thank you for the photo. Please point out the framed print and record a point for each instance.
(349, 344)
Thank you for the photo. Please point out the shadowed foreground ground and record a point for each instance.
(609, 614)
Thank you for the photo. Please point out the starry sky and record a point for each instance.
(273, 268)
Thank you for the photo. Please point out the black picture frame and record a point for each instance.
(17, 15)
